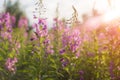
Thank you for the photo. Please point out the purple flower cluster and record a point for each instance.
(81, 72)
(64, 62)
(6, 35)
(62, 51)
(23, 22)
(41, 28)
(71, 39)
(6, 24)
(10, 64)
(8, 21)
(41, 31)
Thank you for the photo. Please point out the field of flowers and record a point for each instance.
(60, 53)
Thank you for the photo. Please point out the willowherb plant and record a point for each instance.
(10, 64)
(71, 39)
(58, 53)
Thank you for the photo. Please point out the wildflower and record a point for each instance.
(81, 72)
(77, 54)
(50, 51)
(23, 22)
(34, 17)
(71, 39)
(42, 22)
(62, 51)
(41, 31)
(6, 35)
(7, 21)
(33, 37)
(48, 45)
(17, 45)
(10, 64)
(13, 19)
(46, 42)
(41, 28)
(0, 26)
(64, 62)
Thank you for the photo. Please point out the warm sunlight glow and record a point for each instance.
(111, 15)
(110, 11)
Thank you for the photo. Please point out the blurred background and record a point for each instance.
(51, 8)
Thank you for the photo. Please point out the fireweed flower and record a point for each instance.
(10, 64)
(34, 17)
(1, 23)
(49, 49)
(13, 19)
(71, 39)
(7, 21)
(40, 28)
(64, 62)
(17, 46)
(81, 72)
(0, 26)
(41, 31)
(62, 51)
(33, 37)
(6, 35)
(46, 41)
(42, 22)
(23, 22)
(48, 46)
(77, 54)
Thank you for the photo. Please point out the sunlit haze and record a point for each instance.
(82, 6)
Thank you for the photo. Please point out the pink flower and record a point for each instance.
(40, 28)
(71, 39)
(62, 51)
(10, 64)
(6, 35)
(13, 20)
(17, 45)
(23, 22)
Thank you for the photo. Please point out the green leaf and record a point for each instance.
(1, 58)
(59, 74)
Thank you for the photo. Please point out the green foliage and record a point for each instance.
(43, 54)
